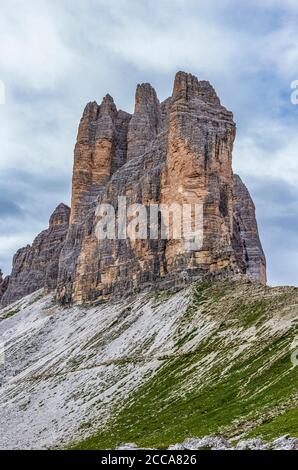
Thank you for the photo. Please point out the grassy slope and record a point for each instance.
(239, 377)
(286, 423)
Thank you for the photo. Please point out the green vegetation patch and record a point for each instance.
(204, 391)
(161, 412)
(10, 313)
(286, 423)
(251, 312)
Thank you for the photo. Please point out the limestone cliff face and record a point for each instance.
(247, 243)
(100, 150)
(199, 170)
(178, 151)
(36, 266)
(3, 284)
(175, 152)
(146, 121)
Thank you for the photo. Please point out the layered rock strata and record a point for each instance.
(178, 151)
(3, 284)
(247, 244)
(175, 152)
(36, 266)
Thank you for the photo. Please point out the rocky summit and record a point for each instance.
(177, 151)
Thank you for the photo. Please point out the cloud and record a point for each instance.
(268, 148)
(34, 52)
(9, 208)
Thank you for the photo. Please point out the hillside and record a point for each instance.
(152, 369)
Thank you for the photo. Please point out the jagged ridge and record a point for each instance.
(178, 151)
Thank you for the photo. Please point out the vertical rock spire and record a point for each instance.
(199, 162)
(146, 121)
(82, 167)
(186, 87)
(179, 152)
(99, 151)
(92, 154)
(246, 233)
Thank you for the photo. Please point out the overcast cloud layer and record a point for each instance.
(57, 55)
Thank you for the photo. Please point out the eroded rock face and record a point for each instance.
(175, 152)
(247, 241)
(3, 284)
(100, 149)
(146, 121)
(36, 266)
(179, 151)
(198, 169)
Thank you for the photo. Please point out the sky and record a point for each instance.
(56, 55)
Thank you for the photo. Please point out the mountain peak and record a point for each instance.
(176, 152)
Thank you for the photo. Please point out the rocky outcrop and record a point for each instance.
(247, 243)
(199, 170)
(100, 150)
(175, 152)
(3, 284)
(172, 153)
(36, 266)
(220, 443)
(146, 121)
